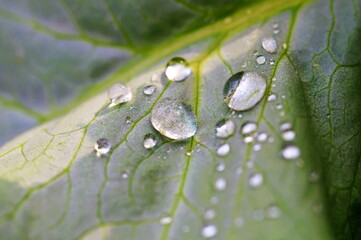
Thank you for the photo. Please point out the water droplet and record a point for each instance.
(255, 52)
(209, 214)
(239, 170)
(149, 141)
(250, 164)
(214, 200)
(255, 180)
(173, 119)
(279, 106)
(276, 31)
(285, 126)
(291, 152)
(119, 93)
(223, 150)
(149, 90)
(258, 215)
(272, 97)
(248, 128)
(124, 175)
(240, 115)
(185, 228)
(273, 212)
(272, 62)
(257, 147)
(262, 137)
(261, 59)
(102, 147)
(225, 128)
(177, 69)
(244, 90)
(220, 167)
(269, 44)
(248, 139)
(209, 231)
(165, 220)
(128, 120)
(275, 25)
(288, 135)
(220, 184)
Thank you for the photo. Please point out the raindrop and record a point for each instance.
(177, 69)
(273, 212)
(149, 141)
(119, 93)
(255, 180)
(272, 97)
(209, 214)
(165, 220)
(220, 167)
(244, 90)
(288, 135)
(223, 150)
(209, 231)
(262, 137)
(225, 128)
(220, 184)
(173, 119)
(291, 152)
(149, 90)
(269, 44)
(249, 128)
(102, 147)
(261, 60)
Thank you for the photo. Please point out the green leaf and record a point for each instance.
(52, 185)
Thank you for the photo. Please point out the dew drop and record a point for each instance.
(102, 147)
(209, 214)
(220, 184)
(288, 135)
(173, 119)
(275, 25)
(255, 180)
(177, 69)
(276, 31)
(257, 147)
(261, 60)
(149, 141)
(291, 152)
(249, 128)
(124, 175)
(165, 220)
(285, 126)
(225, 128)
(209, 231)
(248, 139)
(128, 120)
(223, 150)
(239, 170)
(269, 44)
(220, 167)
(149, 90)
(272, 97)
(258, 215)
(244, 90)
(119, 93)
(273, 212)
(262, 137)
(279, 106)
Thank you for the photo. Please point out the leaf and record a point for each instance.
(54, 187)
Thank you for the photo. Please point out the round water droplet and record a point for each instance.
(285, 126)
(262, 137)
(276, 31)
(273, 212)
(173, 119)
(248, 128)
(223, 150)
(255, 180)
(261, 60)
(128, 120)
(149, 90)
(165, 220)
(275, 25)
(225, 128)
(244, 90)
(272, 97)
(124, 175)
(177, 69)
(257, 147)
(279, 106)
(220, 167)
(288, 135)
(291, 152)
(258, 215)
(269, 44)
(149, 141)
(248, 139)
(209, 214)
(220, 184)
(239, 170)
(102, 146)
(209, 231)
(119, 93)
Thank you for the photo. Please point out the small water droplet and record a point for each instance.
(185, 228)
(124, 175)
(149, 141)
(244, 90)
(328, 116)
(250, 164)
(220, 184)
(257, 147)
(102, 147)
(119, 93)
(272, 97)
(314, 177)
(188, 153)
(279, 106)
(269, 44)
(173, 119)
(275, 25)
(128, 120)
(276, 31)
(248, 128)
(223, 150)
(209, 231)
(291, 152)
(225, 128)
(209, 214)
(214, 200)
(285, 126)
(239, 170)
(283, 97)
(165, 220)
(262, 137)
(220, 167)
(255, 180)
(244, 64)
(227, 20)
(271, 139)
(177, 69)
(261, 59)
(149, 90)
(255, 52)
(248, 139)
(240, 115)
(258, 215)
(272, 62)
(288, 135)
(274, 85)
(273, 212)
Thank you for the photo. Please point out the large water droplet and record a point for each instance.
(269, 44)
(119, 93)
(220, 184)
(255, 180)
(244, 90)
(149, 90)
(102, 147)
(223, 150)
(173, 119)
(149, 141)
(261, 60)
(225, 128)
(177, 69)
(209, 231)
(291, 152)
(248, 128)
